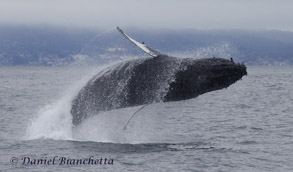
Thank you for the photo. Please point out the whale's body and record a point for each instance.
(160, 78)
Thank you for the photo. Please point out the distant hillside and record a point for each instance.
(56, 46)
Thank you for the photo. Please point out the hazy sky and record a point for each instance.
(201, 14)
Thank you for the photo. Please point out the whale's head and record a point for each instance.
(200, 76)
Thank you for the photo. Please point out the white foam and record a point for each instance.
(54, 121)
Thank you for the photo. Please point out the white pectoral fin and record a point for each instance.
(142, 46)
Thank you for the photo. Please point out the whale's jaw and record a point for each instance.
(204, 76)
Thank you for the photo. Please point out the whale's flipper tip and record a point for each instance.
(142, 46)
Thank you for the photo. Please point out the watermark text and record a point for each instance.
(60, 160)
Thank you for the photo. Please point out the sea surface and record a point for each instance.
(246, 127)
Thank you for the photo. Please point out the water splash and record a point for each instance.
(54, 121)
(222, 49)
(109, 126)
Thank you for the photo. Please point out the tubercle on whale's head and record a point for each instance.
(204, 75)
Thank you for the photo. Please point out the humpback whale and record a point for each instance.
(159, 78)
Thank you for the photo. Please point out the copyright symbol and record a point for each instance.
(13, 160)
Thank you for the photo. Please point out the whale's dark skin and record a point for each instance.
(150, 80)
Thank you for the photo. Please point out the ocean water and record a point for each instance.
(246, 127)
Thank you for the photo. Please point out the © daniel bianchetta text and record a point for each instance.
(61, 160)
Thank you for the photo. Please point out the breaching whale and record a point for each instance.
(160, 78)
